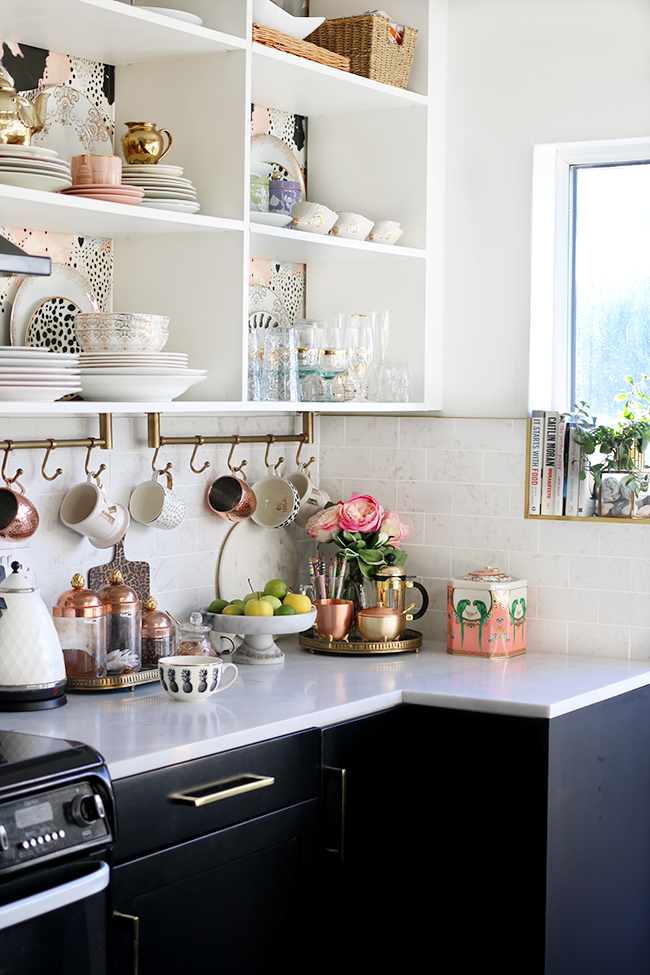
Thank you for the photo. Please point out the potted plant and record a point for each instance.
(620, 448)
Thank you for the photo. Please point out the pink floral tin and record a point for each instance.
(486, 614)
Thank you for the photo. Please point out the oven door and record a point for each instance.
(55, 921)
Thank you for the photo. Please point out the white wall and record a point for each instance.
(520, 72)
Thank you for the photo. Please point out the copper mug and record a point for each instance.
(380, 624)
(333, 618)
(18, 516)
(231, 498)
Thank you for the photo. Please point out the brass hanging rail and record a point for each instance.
(155, 438)
(104, 440)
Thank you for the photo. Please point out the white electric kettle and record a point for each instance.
(32, 669)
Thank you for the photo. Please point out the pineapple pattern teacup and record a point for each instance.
(194, 679)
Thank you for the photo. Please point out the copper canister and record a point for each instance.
(486, 614)
(123, 625)
(158, 634)
(80, 620)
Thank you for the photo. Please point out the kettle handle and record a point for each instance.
(425, 600)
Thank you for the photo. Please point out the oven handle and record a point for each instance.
(50, 900)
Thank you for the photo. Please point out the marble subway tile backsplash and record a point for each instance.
(460, 485)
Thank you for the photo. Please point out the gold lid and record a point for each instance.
(154, 622)
(78, 601)
(118, 597)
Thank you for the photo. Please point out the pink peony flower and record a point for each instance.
(360, 514)
(325, 524)
(394, 528)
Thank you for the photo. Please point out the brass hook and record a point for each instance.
(269, 440)
(305, 467)
(102, 467)
(236, 470)
(14, 479)
(50, 477)
(155, 469)
(298, 455)
(199, 441)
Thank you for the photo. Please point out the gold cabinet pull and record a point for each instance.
(223, 790)
(134, 923)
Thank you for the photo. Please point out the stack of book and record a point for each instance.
(554, 485)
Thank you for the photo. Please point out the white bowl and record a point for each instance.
(259, 647)
(312, 218)
(136, 389)
(352, 226)
(115, 332)
(268, 14)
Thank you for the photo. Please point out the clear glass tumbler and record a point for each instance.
(280, 369)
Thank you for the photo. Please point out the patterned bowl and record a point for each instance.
(112, 332)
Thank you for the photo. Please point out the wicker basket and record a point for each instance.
(303, 49)
(365, 40)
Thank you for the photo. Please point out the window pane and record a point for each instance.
(611, 285)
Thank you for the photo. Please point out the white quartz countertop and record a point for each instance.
(144, 729)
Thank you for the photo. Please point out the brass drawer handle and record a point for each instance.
(134, 923)
(223, 790)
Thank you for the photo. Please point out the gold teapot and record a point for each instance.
(143, 143)
(19, 118)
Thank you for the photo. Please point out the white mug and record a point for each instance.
(351, 225)
(278, 502)
(86, 510)
(312, 217)
(385, 232)
(152, 504)
(312, 499)
(192, 679)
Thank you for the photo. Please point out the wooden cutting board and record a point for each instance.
(137, 575)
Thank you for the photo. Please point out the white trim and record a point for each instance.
(549, 376)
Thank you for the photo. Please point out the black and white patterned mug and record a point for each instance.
(153, 504)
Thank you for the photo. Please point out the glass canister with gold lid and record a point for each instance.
(123, 625)
(158, 633)
(80, 620)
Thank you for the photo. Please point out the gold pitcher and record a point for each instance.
(143, 143)
(391, 583)
(19, 118)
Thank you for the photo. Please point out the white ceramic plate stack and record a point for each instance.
(34, 167)
(136, 376)
(165, 187)
(37, 375)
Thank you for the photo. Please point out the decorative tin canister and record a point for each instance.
(486, 614)
(282, 195)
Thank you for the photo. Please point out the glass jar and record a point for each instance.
(123, 625)
(80, 620)
(158, 634)
(194, 640)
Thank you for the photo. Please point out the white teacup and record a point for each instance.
(351, 225)
(312, 217)
(385, 232)
(194, 679)
(278, 502)
(152, 504)
(87, 510)
(312, 499)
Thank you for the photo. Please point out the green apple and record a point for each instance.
(236, 602)
(258, 607)
(285, 610)
(277, 588)
(275, 603)
(217, 605)
(252, 595)
(232, 609)
(301, 604)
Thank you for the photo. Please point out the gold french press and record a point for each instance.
(391, 583)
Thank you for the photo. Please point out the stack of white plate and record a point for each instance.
(37, 375)
(34, 167)
(136, 376)
(164, 187)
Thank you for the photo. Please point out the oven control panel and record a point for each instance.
(46, 824)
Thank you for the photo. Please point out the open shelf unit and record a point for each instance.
(373, 149)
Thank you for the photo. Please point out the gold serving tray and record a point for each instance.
(412, 642)
(116, 682)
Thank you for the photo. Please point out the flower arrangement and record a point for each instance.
(622, 446)
(363, 530)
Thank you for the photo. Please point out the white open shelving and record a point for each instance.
(368, 151)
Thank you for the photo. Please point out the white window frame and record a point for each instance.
(549, 383)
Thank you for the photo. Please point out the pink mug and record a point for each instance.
(90, 168)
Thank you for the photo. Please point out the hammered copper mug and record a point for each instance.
(18, 516)
(231, 498)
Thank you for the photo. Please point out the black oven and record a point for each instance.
(57, 826)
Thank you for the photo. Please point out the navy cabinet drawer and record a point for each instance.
(166, 806)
